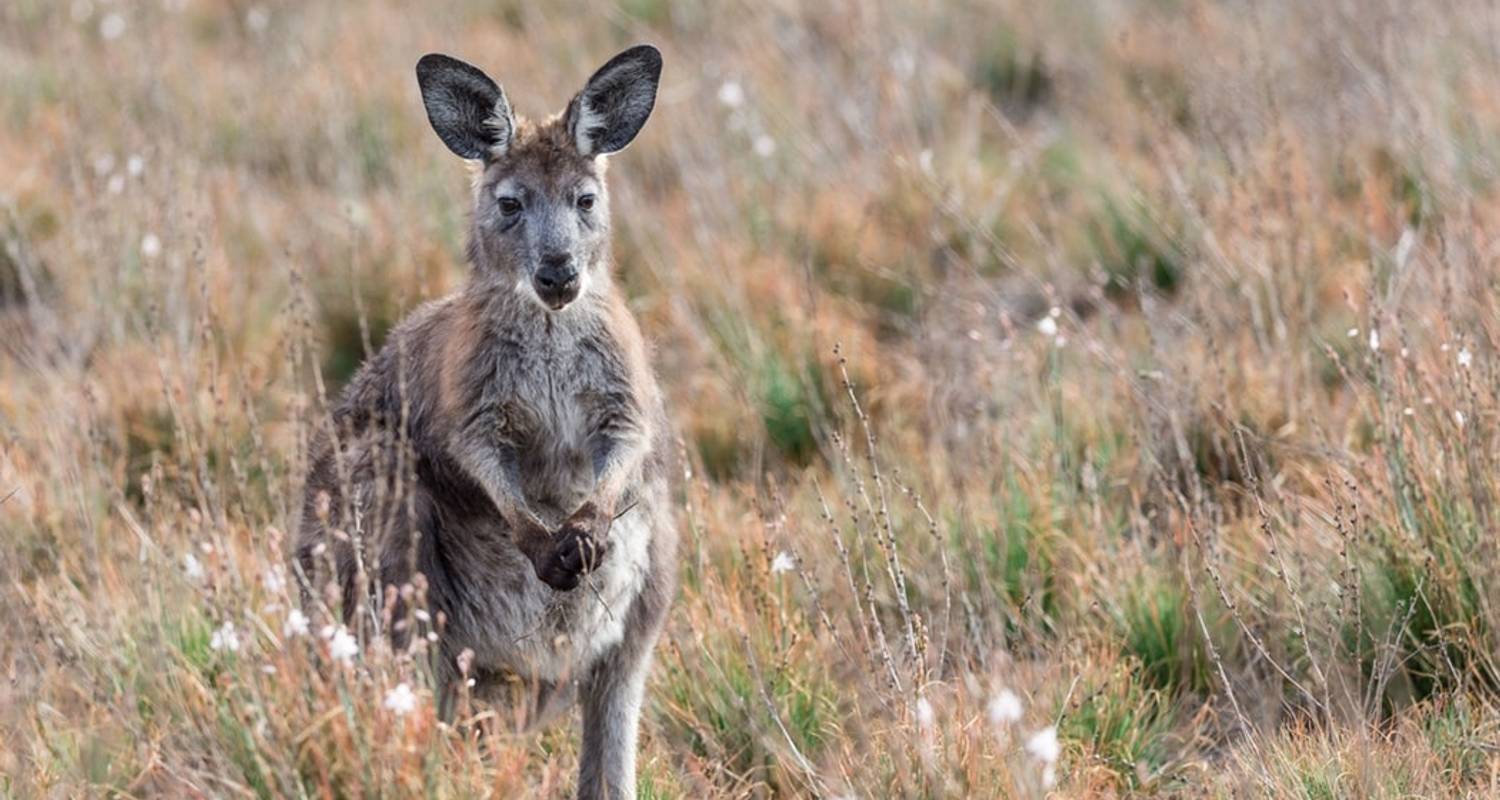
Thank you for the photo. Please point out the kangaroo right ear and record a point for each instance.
(467, 109)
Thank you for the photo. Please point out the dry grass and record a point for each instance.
(1135, 358)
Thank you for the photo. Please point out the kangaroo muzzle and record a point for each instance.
(557, 282)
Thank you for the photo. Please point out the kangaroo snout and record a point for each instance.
(556, 283)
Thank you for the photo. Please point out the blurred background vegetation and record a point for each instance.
(1133, 360)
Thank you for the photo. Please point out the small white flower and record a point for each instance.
(1047, 325)
(924, 160)
(422, 615)
(1465, 358)
(783, 563)
(257, 18)
(193, 567)
(1374, 339)
(1043, 745)
(342, 645)
(1005, 708)
(731, 95)
(112, 26)
(1407, 411)
(226, 638)
(1049, 776)
(1354, 333)
(401, 700)
(135, 165)
(904, 63)
(765, 146)
(274, 580)
(1458, 416)
(925, 716)
(295, 625)
(150, 246)
(268, 669)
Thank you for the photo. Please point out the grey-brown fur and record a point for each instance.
(508, 441)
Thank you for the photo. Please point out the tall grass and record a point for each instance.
(1075, 398)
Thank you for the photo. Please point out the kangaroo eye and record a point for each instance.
(586, 202)
(510, 206)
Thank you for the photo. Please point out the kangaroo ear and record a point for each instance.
(616, 101)
(467, 109)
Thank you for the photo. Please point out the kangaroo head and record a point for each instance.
(541, 211)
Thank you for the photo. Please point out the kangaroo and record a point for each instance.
(508, 443)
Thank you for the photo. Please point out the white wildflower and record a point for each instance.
(135, 165)
(274, 580)
(1374, 339)
(150, 246)
(112, 26)
(422, 615)
(1005, 707)
(765, 146)
(401, 700)
(1458, 417)
(904, 63)
(193, 567)
(731, 95)
(1465, 358)
(1043, 745)
(1047, 325)
(1404, 247)
(257, 19)
(925, 715)
(341, 644)
(268, 669)
(924, 160)
(1354, 333)
(1408, 411)
(226, 638)
(783, 563)
(295, 625)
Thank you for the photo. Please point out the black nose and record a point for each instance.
(557, 281)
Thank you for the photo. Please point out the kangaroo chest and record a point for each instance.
(553, 391)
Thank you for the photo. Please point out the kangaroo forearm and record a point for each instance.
(616, 461)
(496, 471)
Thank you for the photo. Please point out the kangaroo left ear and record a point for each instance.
(616, 101)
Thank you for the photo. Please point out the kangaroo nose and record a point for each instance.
(558, 261)
(557, 281)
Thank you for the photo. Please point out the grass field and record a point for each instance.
(1075, 398)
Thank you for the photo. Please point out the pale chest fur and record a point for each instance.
(558, 386)
(515, 623)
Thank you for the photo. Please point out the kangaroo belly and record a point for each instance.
(515, 623)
